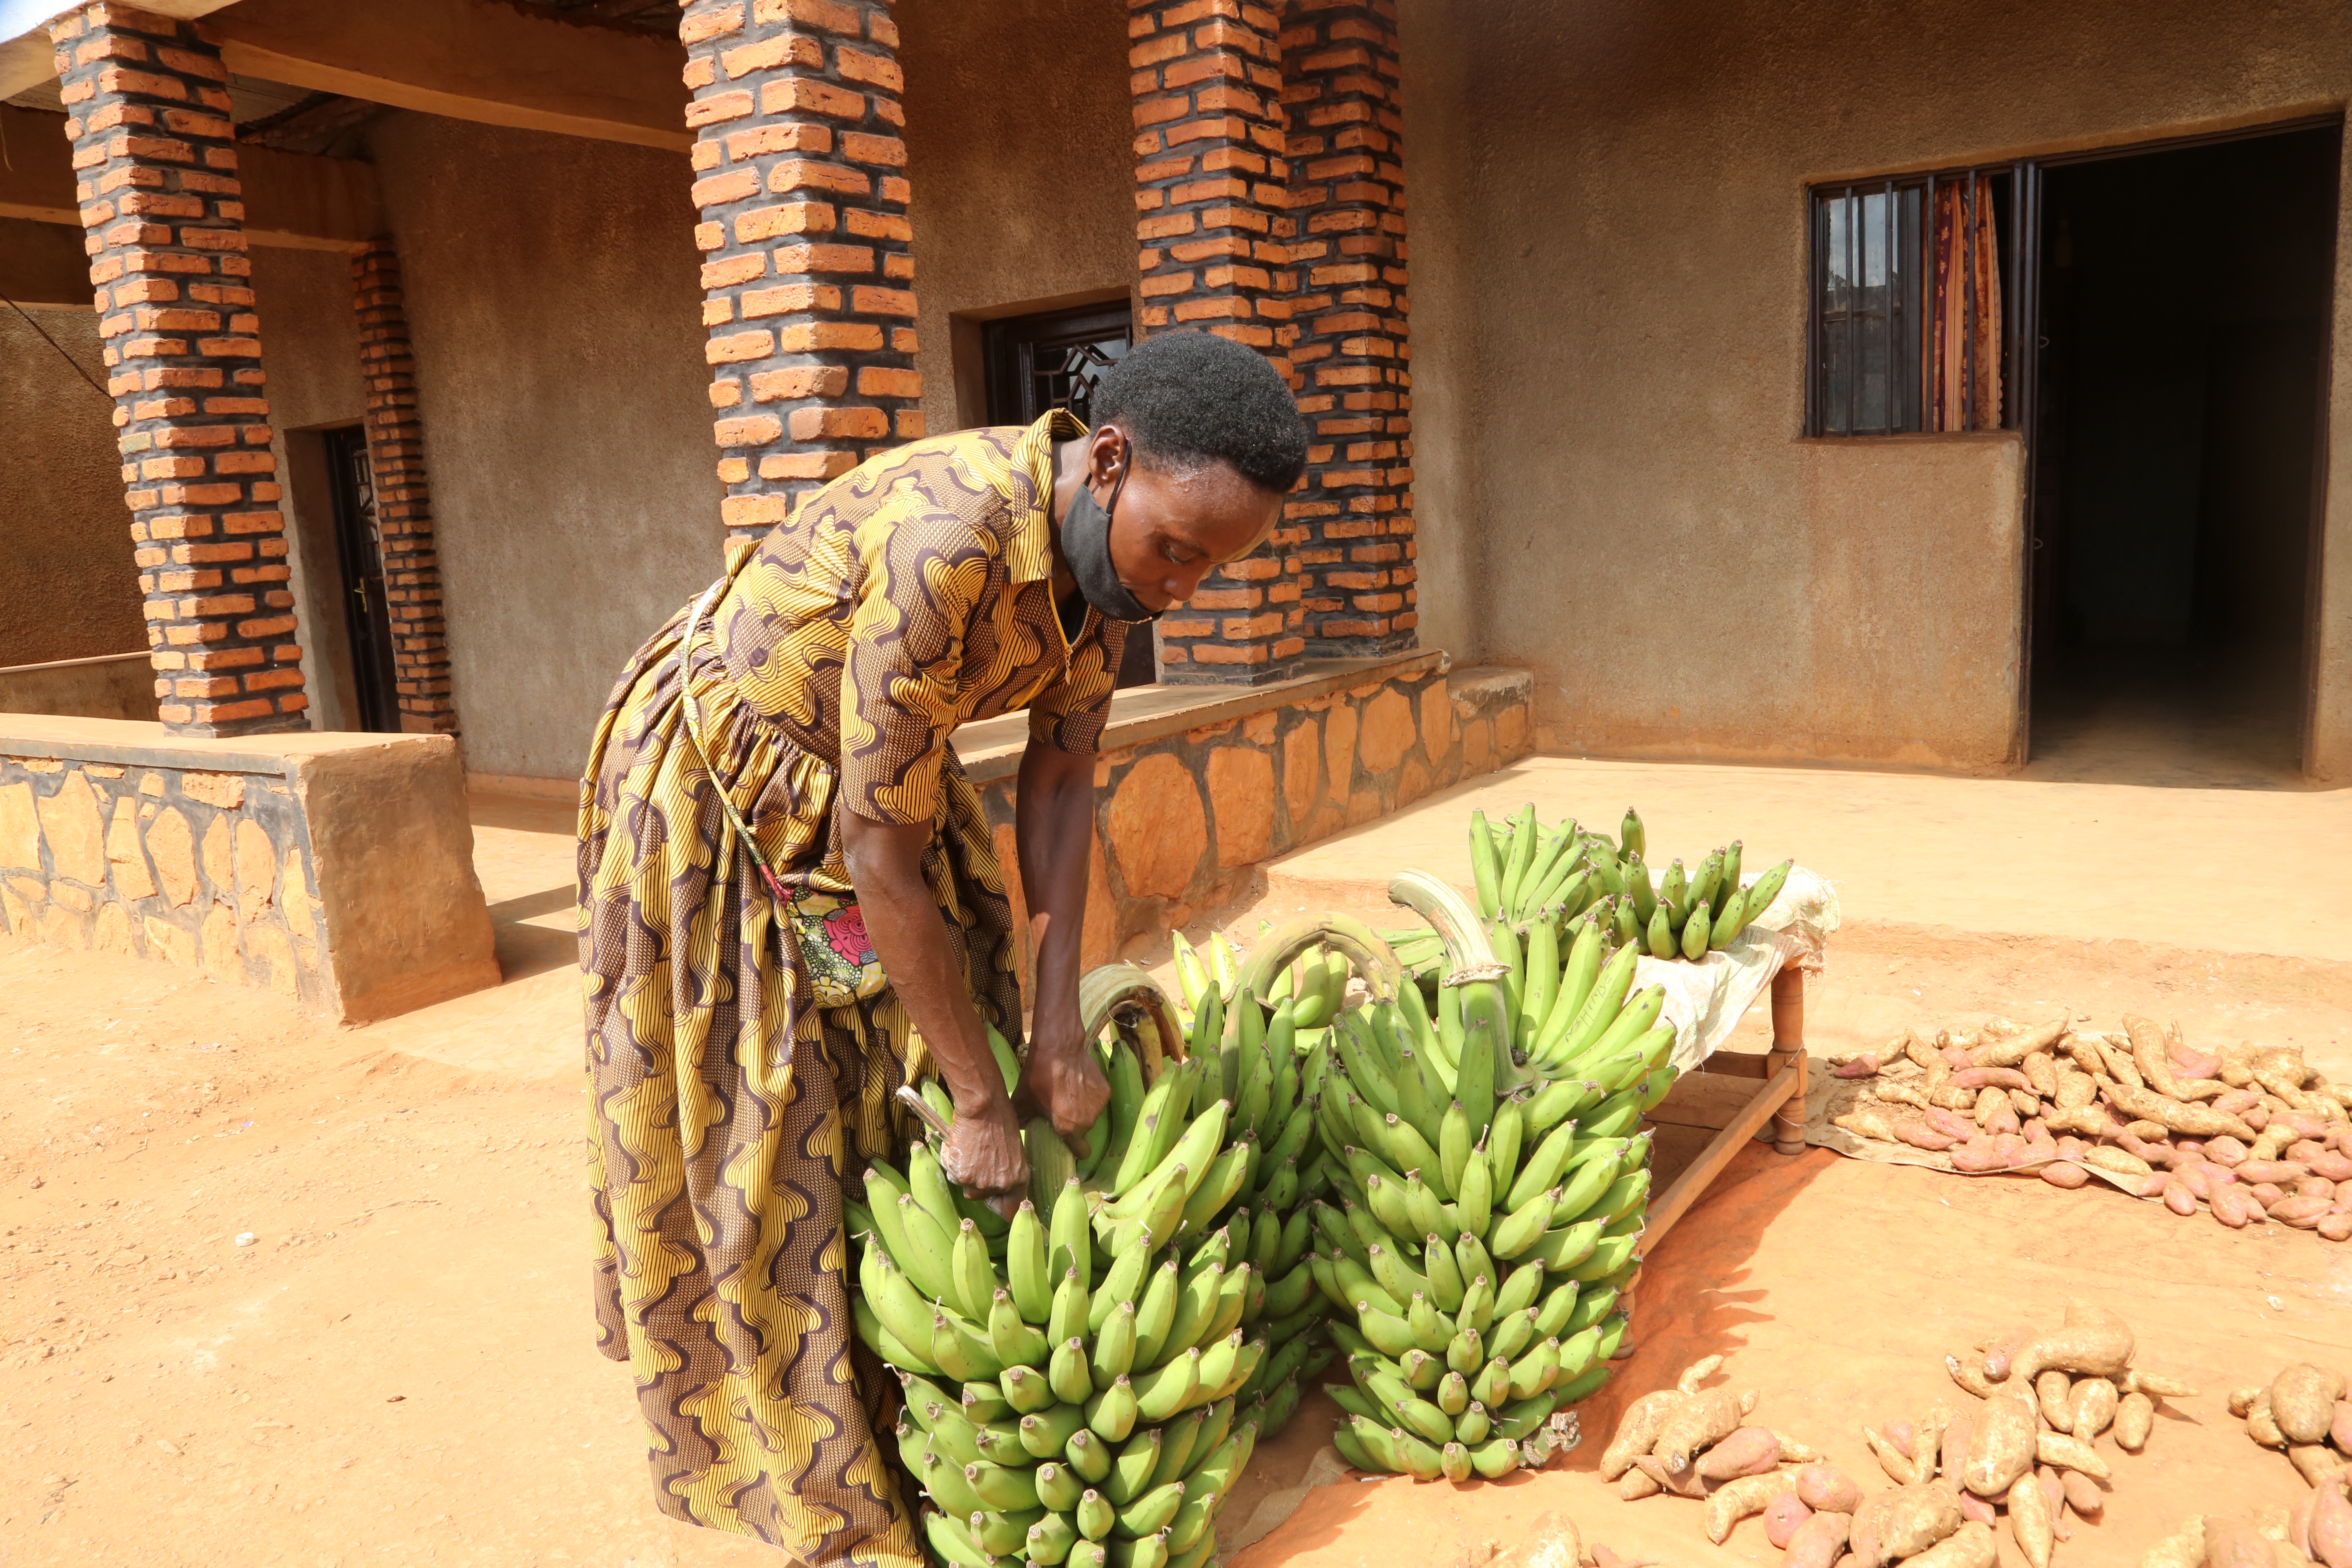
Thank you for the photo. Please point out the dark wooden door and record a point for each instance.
(367, 611)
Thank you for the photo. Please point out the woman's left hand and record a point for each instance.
(1062, 1082)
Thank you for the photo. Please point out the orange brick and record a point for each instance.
(760, 141)
(793, 217)
(798, 382)
(877, 225)
(737, 347)
(800, 466)
(718, 108)
(790, 258)
(861, 147)
(790, 298)
(801, 95)
(812, 337)
(869, 300)
(878, 381)
(879, 70)
(806, 174)
(750, 430)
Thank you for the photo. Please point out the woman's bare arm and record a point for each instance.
(1054, 817)
(885, 867)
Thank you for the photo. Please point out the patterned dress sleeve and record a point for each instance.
(1069, 714)
(920, 575)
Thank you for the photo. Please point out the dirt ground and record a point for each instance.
(397, 1366)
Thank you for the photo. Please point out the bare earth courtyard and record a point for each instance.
(397, 1366)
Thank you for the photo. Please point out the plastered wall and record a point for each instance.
(1017, 149)
(1623, 371)
(68, 587)
(552, 293)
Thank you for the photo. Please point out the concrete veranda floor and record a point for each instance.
(400, 1367)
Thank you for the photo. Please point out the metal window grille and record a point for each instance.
(1873, 301)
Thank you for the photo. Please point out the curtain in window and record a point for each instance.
(1963, 378)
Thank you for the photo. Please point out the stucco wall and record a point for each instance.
(68, 586)
(1019, 153)
(1625, 378)
(553, 296)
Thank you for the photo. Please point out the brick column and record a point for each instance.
(807, 275)
(1354, 365)
(404, 506)
(153, 147)
(1214, 236)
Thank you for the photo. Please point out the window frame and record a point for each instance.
(2016, 255)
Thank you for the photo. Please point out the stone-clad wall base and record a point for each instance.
(1183, 820)
(337, 870)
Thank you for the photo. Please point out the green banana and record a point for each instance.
(1155, 1314)
(1119, 1284)
(1015, 1341)
(962, 1349)
(951, 1542)
(1068, 1372)
(1765, 888)
(1046, 1434)
(1474, 1193)
(1453, 1394)
(1176, 1443)
(1025, 1262)
(984, 1401)
(1219, 1183)
(1095, 1516)
(1163, 1391)
(1442, 1275)
(1003, 1486)
(1693, 943)
(1090, 1460)
(1069, 1236)
(1477, 1309)
(1387, 1202)
(1113, 1352)
(1112, 1414)
(1523, 1226)
(1131, 1470)
(1050, 1539)
(1068, 1318)
(928, 1258)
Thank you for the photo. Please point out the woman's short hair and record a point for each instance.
(1191, 398)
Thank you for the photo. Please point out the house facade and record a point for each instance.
(1581, 300)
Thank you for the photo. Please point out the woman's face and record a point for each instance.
(1169, 529)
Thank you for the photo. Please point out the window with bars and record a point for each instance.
(1907, 304)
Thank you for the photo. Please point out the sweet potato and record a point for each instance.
(2265, 1193)
(1637, 1485)
(1825, 1489)
(1819, 1541)
(2243, 1400)
(2197, 1120)
(2134, 1414)
(1736, 1499)
(1796, 1452)
(2074, 1090)
(1783, 1517)
(1892, 1460)
(1750, 1451)
(2184, 1548)
(1920, 1135)
(2234, 1544)
(2002, 1448)
(2053, 1388)
(2001, 1120)
(2029, 1520)
(2317, 1463)
(1681, 1483)
(1975, 1508)
(1955, 1449)
(1868, 1119)
(2332, 1164)
(2070, 1453)
(2083, 1494)
(1971, 1546)
(2303, 1401)
(2094, 1342)
(2301, 1213)
(1970, 1374)
(2336, 1226)
(2331, 1529)
(1697, 1421)
(1637, 1430)
(2116, 1160)
(1863, 1065)
(1919, 1517)
(2278, 1173)
(2064, 1174)
(2340, 1429)
(2231, 1206)
(2261, 1427)
(2091, 1409)
(2179, 1198)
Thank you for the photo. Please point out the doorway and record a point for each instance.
(2178, 433)
(358, 549)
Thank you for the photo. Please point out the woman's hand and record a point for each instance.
(1062, 1082)
(982, 1155)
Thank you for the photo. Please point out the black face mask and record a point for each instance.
(1086, 544)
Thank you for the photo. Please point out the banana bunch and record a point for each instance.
(1083, 1388)
(1309, 991)
(1489, 1197)
(1528, 876)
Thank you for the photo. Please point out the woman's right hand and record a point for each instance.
(982, 1155)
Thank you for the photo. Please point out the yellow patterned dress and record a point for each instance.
(726, 1109)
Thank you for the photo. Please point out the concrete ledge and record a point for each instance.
(111, 685)
(337, 869)
(1197, 789)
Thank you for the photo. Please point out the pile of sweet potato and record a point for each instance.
(2304, 1413)
(2279, 1539)
(1693, 1441)
(2247, 1134)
